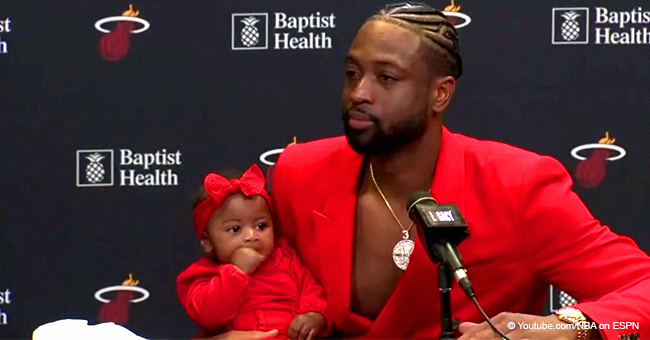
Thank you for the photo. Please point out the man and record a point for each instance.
(341, 202)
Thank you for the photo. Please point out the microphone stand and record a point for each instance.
(444, 285)
(443, 227)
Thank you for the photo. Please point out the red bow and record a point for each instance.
(251, 183)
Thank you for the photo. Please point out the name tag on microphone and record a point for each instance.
(442, 214)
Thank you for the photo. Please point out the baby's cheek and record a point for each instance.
(268, 247)
(224, 254)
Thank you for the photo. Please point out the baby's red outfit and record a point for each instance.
(221, 297)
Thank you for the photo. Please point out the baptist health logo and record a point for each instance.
(250, 31)
(92, 166)
(570, 25)
(251, 27)
(607, 26)
(96, 168)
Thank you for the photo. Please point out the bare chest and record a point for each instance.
(374, 274)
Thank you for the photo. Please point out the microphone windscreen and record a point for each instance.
(417, 195)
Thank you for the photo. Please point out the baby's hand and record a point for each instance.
(247, 259)
(306, 326)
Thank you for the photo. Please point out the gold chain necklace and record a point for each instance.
(404, 248)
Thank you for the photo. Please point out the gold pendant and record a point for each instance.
(402, 251)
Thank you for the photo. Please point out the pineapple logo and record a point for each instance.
(249, 31)
(570, 26)
(559, 299)
(250, 36)
(94, 168)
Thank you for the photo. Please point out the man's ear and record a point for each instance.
(206, 244)
(442, 89)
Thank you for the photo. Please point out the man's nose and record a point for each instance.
(362, 91)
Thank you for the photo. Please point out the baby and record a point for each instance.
(247, 282)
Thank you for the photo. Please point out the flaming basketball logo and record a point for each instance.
(264, 158)
(455, 16)
(117, 310)
(114, 44)
(590, 171)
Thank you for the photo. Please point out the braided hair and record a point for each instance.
(439, 36)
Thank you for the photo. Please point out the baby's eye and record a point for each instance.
(262, 225)
(234, 229)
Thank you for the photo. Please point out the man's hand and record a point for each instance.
(245, 335)
(306, 326)
(247, 259)
(511, 325)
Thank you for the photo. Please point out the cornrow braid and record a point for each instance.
(432, 25)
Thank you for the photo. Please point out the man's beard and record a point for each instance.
(377, 141)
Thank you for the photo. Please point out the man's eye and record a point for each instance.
(384, 78)
(351, 74)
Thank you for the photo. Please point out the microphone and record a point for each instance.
(443, 228)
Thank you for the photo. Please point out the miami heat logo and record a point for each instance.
(269, 157)
(455, 16)
(590, 172)
(114, 44)
(117, 309)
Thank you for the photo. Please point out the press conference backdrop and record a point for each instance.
(110, 116)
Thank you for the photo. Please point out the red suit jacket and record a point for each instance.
(220, 297)
(527, 230)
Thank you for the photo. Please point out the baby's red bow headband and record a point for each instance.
(251, 183)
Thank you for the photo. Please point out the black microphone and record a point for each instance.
(443, 228)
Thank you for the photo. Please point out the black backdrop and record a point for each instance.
(182, 87)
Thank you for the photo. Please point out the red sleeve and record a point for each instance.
(607, 273)
(312, 296)
(211, 293)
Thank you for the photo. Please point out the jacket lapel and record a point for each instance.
(334, 233)
(449, 179)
